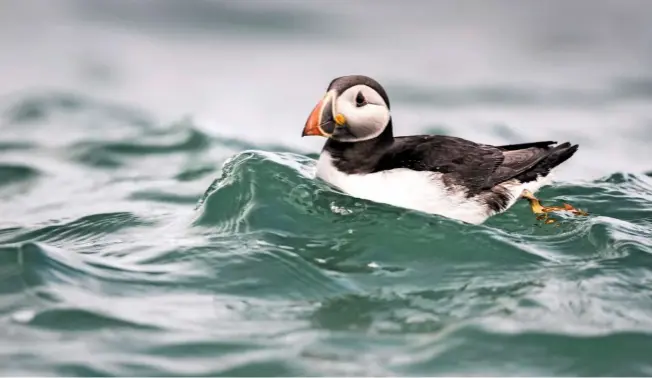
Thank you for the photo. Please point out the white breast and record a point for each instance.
(422, 191)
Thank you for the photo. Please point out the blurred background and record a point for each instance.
(493, 71)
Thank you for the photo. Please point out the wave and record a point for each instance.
(272, 203)
(259, 190)
(287, 272)
(14, 173)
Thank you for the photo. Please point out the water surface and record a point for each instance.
(159, 216)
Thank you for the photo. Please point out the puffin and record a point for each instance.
(434, 174)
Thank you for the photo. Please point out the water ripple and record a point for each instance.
(82, 230)
(275, 270)
(11, 173)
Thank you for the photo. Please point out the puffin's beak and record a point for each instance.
(321, 120)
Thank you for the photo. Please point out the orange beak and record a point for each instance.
(321, 121)
(312, 124)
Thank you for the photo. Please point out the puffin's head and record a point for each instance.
(355, 108)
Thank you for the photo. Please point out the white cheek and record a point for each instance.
(370, 118)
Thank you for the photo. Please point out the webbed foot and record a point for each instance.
(543, 211)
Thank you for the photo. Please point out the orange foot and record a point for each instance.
(543, 211)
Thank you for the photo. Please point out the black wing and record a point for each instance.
(511, 147)
(476, 166)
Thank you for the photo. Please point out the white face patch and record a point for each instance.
(366, 120)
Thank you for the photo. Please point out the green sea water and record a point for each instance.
(146, 230)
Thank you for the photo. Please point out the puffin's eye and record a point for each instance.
(360, 100)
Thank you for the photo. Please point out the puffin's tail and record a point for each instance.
(557, 155)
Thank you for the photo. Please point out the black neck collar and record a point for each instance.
(362, 156)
